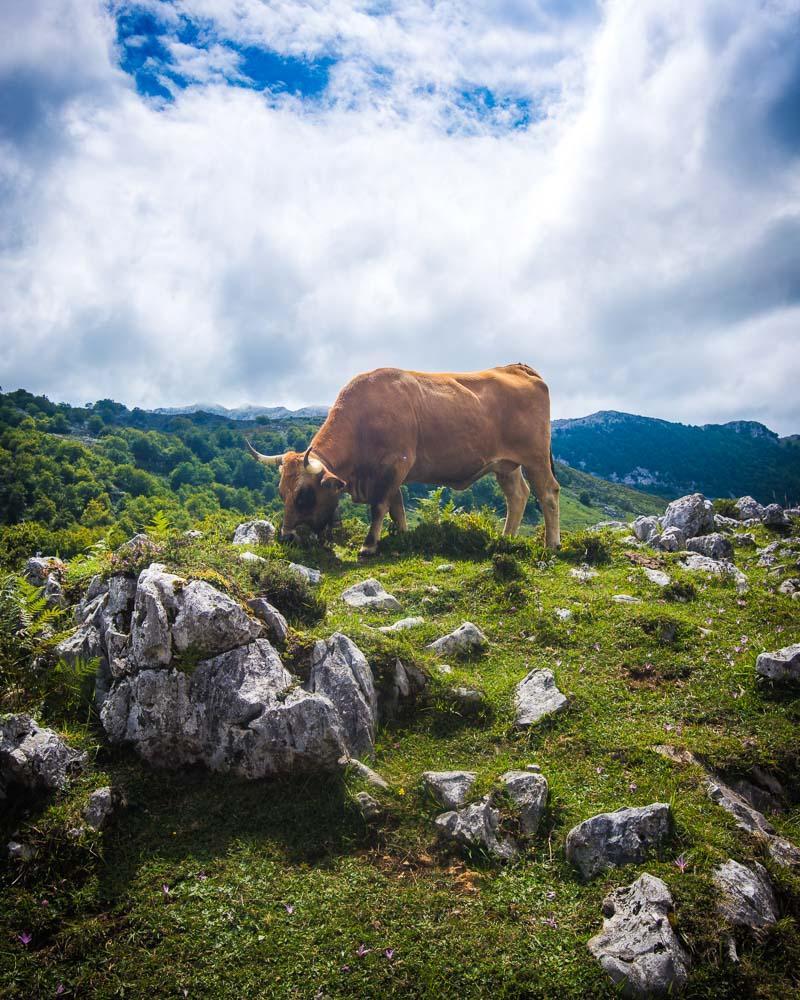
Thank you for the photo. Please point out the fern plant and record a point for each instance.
(160, 527)
(29, 628)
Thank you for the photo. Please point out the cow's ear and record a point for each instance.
(332, 482)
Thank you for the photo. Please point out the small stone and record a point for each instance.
(747, 896)
(773, 516)
(402, 625)
(536, 696)
(251, 557)
(583, 573)
(445, 568)
(748, 509)
(657, 576)
(312, 576)
(564, 614)
(254, 533)
(99, 808)
(444, 668)
(370, 808)
(193, 533)
(340, 672)
(370, 594)
(34, 757)
(625, 599)
(782, 665)
(20, 852)
(467, 638)
(365, 772)
(618, 838)
(533, 768)
(529, 793)
(449, 788)
(637, 946)
(468, 701)
(476, 826)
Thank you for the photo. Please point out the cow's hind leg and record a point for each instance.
(397, 511)
(547, 490)
(516, 492)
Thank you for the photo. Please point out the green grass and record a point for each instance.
(234, 855)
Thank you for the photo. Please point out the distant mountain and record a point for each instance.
(720, 460)
(249, 412)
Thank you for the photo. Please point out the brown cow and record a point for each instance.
(390, 426)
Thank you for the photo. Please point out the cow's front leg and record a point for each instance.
(373, 535)
(397, 511)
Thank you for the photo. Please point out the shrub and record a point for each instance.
(591, 547)
(725, 507)
(679, 590)
(505, 567)
(288, 591)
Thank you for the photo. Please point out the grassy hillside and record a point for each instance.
(720, 460)
(206, 886)
(69, 476)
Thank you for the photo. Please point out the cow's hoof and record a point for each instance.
(365, 552)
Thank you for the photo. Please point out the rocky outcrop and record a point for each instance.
(47, 572)
(693, 515)
(254, 533)
(747, 898)
(370, 594)
(623, 837)
(277, 628)
(697, 563)
(477, 827)
(537, 696)
(341, 673)
(773, 516)
(637, 946)
(467, 638)
(33, 757)
(748, 509)
(449, 788)
(781, 665)
(671, 539)
(715, 546)
(645, 528)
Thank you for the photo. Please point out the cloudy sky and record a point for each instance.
(250, 201)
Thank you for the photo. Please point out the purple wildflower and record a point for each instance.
(362, 950)
(551, 921)
(60, 990)
(289, 907)
(25, 938)
(389, 953)
(681, 863)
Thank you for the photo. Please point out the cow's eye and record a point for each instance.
(305, 500)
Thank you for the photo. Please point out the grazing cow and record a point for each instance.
(390, 426)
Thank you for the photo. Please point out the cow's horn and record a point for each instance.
(312, 464)
(266, 459)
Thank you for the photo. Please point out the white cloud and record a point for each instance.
(634, 244)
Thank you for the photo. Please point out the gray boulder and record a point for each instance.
(715, 546)
(99, 808)
(670, 540)
(276, 625)
(528, 790)
(254, 533)
(536, 696)
(33, 757)
(692, 514)
(748, 509)
(340, 671)
(239, 712)
(773, 516)
(645, 527)
(467, 638)
(476, 827)
(657, 576)
(781, 665)
(637, 946)
(623, 837)
(38, 568)
(209, 622)
(747, 898)
(449, 788)
(697, 563)
(405, 685)
(155, 607)
(370, 594)
(722, 523)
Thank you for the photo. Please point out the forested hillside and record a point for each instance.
(70, 475)
(720, 460)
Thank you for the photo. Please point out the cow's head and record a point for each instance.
(309, 491)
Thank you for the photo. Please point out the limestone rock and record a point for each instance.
(370, 809)
(364, 771)
(715, 546)
(625, 599)
(697, 563)
(657, 576)
(209, 622)
(370, 594)
(99, 808)
(692, 514)
(782, 665)
(537, 696)
(623, 837)
(529, 792)
(583, 573)
(748, 509)
(20, 852)
(276, 625)
(405, 685)
(671, 539)
(401, 626)
(33, 757)
(467, 638)
(637, 946)
(645, 528)
(746, 816)
(747, 896)
(449, 788)
(340, 671)
(312, 576)
(250, 557)
(476, 827)
(254, 533)
(773, 516)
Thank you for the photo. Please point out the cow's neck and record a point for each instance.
(333, 445)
